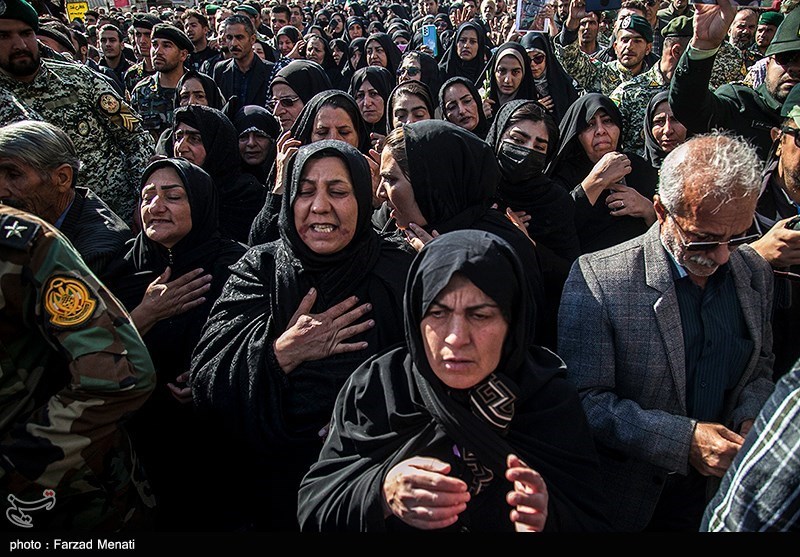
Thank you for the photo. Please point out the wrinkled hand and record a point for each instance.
(711, 23)
(417, 236)
(626, 201)
(419, 492)
(714, 447)
(182, 394)
(298, 50)
(287, 147)
(610, 169)
(780, 246)
(460, 15)
(547, 102)
(317, 336)
(529, 496)
(164, 299)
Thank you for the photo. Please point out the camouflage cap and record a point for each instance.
(21, 11)
(787, 37)
(638, 24)
(680, 26)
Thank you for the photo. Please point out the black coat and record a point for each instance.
(229, 77)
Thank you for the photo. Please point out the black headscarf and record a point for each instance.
(329, 64)
(653, 151)
(429, 70)
(241, 195)
(354, 20)
(320, 31)
(483, 124)
(356, 44)
(235, 375)
(305, 77)
(597, 228)
(393, 54)
(259, 119)
(304, 125)
(400, 11)
(394, 407)
(341, 44)
(451, 65)
(557, 82)
(382, 81)
(290, 31)
(214, 96)
(526, 89)
(416, 88)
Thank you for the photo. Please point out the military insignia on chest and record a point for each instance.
(83, 128)
(68, 302)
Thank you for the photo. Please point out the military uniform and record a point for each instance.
(73, 368)
(154, 104)
(591, 75)
(135, 74)
(728, 66)
(113, 146)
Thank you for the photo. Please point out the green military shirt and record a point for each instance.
(592, 75)
(113, 146)
(632, 97)
(154, 104)
(135, 74)
(73, 368)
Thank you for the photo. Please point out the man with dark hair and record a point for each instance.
(742, 35)
(587, 34)
(196, 26)
(296, 18)
(112, 41)
(244, 75)
(90, 17)
(142, 26)
(279, 16)
(154, 96)
(113, 145)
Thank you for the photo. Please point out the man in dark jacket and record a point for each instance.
(38, 170)
(244, 75)
(748, 112)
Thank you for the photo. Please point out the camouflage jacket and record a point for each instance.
(113, 146)
(154, 104)
(632, 97)
(591, 75)
(135, 74)
(73, 368)
(728, 66)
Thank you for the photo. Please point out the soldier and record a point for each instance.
(633, 41)
(113, 145)
(74, 368)
(154, 96)
(38, 174)
(142, 26)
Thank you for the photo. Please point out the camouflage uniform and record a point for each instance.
(591, 75)
(728, 66)
(135, 74)
(113, 146)
(73, 368)
(154, 104)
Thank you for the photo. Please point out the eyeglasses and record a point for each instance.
(794, 132)
(538, 58)
(732, 244)
(787, 58)
(410, 70)
(286, 102)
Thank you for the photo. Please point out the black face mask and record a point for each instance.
(518, 163)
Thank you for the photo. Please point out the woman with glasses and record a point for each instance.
(292, 87)
(420, 66)
(460, 103)
(613, 189)
(555, 89)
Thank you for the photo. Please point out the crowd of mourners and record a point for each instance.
(372, 266)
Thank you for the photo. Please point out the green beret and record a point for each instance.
(770, 18)
(249, 10)
(145, 21)
(791, 106)
(171, 33)
(21, 11)
(680, 26)
(211, 9)
(787, 37)
(637, 24)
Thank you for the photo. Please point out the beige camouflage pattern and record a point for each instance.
(592, 75)
(108, 135)
(73, 368)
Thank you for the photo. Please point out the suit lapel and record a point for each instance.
(658, 275)
(750, 302)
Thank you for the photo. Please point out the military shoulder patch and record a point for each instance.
(108, 103)
(68, 301)
(16, 232)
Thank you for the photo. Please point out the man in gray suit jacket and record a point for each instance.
(668, 338)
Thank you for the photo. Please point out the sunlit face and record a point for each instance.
(165, 210)
(508, 72)
(538, 62)
(254, 147)
(588, 28)
(764, 35)
(277, 21)
(325, 209)
(239, 41)
(463, 332)
(285, 45)
(666, 129)
(166, 56)
(467, 45)
(333, 122)
(631, 48)
(395, 189)
(370, 103)
(355, 30)
(192, 92)
(195, 30)
(315, 50)
(600, 136)
(286, 114)
(408, 108)
(529, 134)
(110, 44)
(25, 188)
(460, 107)
(743, 28)
(376, 55)
(189, 144)
(410, 69)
